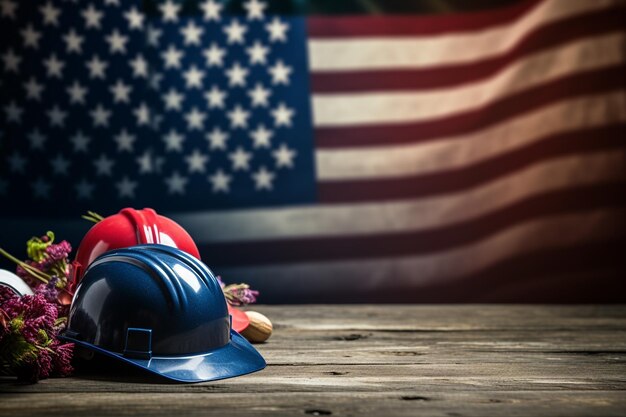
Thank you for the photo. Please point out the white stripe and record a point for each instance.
(467, 149)
(311, 279)
(365, 219)
(370, 53)
(398, 107)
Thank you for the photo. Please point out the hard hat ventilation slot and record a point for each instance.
(138, 343)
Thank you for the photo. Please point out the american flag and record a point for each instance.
(475, 156)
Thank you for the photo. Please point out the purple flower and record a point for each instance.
(49, 290)
(239, 294)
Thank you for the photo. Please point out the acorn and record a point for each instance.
(259, 329)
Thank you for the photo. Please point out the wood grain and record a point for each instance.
(470, 360)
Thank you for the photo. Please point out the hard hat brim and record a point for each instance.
(236, 358)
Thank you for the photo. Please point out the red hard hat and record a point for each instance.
(132, 227)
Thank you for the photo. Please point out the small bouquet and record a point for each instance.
(30, 324)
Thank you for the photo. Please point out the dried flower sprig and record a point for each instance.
(29, 347)
(238, 294)
(48, 266)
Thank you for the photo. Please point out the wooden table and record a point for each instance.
(471, 360)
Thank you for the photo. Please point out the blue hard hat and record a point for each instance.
(160, 309)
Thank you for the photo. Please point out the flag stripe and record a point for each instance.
(543, 38)
(501, 109)
(394, 25)
(373, 108)
(569, 143)
(466, 149)
(592, 269)
(366, 52)
(287, 279)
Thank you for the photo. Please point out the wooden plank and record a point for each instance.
(409, 402)
(397, 360)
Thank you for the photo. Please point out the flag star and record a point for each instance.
(134, 18)
(57, 116)
(121, 92)
(142, 114)
(172, 57)
(259, 95)
(173, 141)
(31, 37)
(139, 66)
(176, 183)
(117, 42)
(7, 8)
(125, 141)
(173, 100)
(96, 67)
(100, 116)
(214, 55)
(41, 189)
(153, 35)
(73, 42)
(277, 30)
(235, 32)
(255, 9)
(50, 14)
(17, 163)
(126, 188)
(280, 73)
(220, 181)
(215, 97)
(60, 165)
(92, 17)
(195, 119)
(13, 112)
(282, 115)
(104, 165)
(36, 139)
(11, 61)
(192, 34)
(80, 142)
(109, 2)
(240, 159)
(146, 162)
(257, 53)
(284, 156)
(263, 179)
(237, 75)
(77, 93)
(261, 137)
(84, 190)
(196, 161)
(217, 138)
(193, 77)
(211, 10)
(238, 117)
(54, 67)
(169, 11)
(33, 89)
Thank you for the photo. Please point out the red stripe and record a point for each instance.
(590, 82)
(357, 26)
(547, 37)
(327, 248)
(558, 145)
